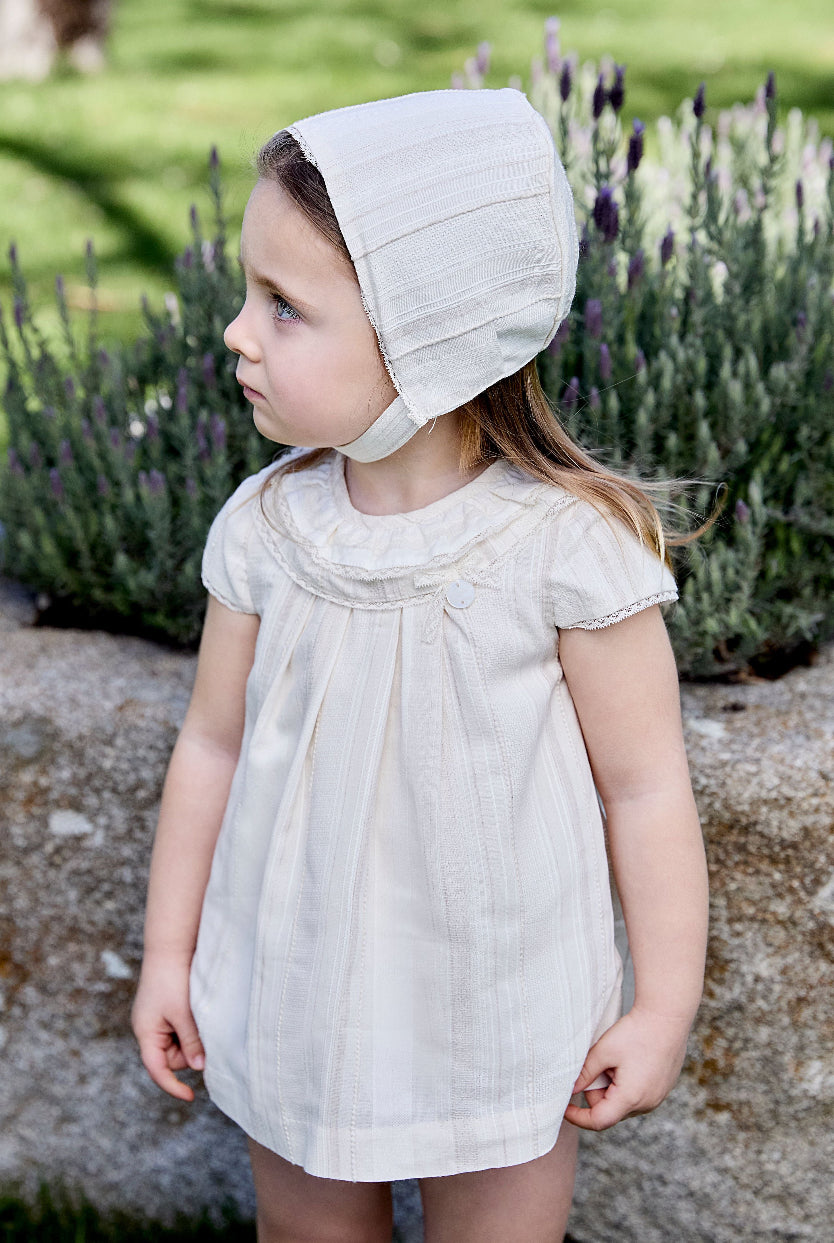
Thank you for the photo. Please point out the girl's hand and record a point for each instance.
(642, 1053)
(164, 1025)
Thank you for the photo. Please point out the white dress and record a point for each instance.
(406, 945)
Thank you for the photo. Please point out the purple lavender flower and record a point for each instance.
(616, 95)
(800, 195)
(551, 44)
(565, 82)
(69, 388)
(88, 249)
(152, 427)
(191, 487)
(65, 453)
(639, 360)
(593, 317)
(103, 358)
(604, 362)
(209, 375)
(635, 147)
(801, 324)
(200, 437)
(156, 483)
(56, 484)
(742, 511)
(129, 451)
(13, 255)
(599, 99)
(19, 315)
(218, 433)
(636, 267)
(770, 86)
(192, 216)
(142, 480)
(606, 214)
(667, 247)
(482, 58)
(115, 438)
(593, 398)
(59, 286)
(15, 464)
(99, 412)
(188, 257)
(87, 431)
(699, 106)
(182, 391)
(214, 158)
(102, 486)
(816, 227)
(570, 395)
(35, 456)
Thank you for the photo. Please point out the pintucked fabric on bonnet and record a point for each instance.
(407, 943)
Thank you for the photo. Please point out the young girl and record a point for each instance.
(379, 914)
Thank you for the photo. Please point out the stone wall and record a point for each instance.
(741, 1151)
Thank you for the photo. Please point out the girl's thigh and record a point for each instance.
(296, 1207)
(526, 1203)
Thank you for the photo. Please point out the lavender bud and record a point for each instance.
(667, 247)
(200, 437)
(192, 216)
(604, 362)
(593, 317)
(742, 511)
(801, 323)
(156, 483)
(482, 58)
(191, 487)
(770, 86)
(188, 257)
(87, 431)
(699, 105)
(115, 438)
(616, 96)
(152, 427)
(103, 358)
(129, 451)
(606, 214)
(142, 480)
(639, 360)
(15, 465)
(570, 395)
(816, 227)
(35, 457)
(218, 433)
(565, 82)
(611, 269)
(593, 398)
(59, 287)
(635, 268)
(800, 195)
(13, 255)
(99, 412)
(551, 44)
(102, 486)
(88, 249)
(599, 99)
(635, 147)
(65, 453)
(69, 388)
(214, 158)
(182, 391)
(207, 253)
(209, 376)
(18, 314)
(56, 484)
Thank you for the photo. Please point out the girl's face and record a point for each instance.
(309, 357)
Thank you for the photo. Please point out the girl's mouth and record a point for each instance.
(252, 394)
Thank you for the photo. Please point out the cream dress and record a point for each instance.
(406, 945)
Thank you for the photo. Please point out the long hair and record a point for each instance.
(513, 418)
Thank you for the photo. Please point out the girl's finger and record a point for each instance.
(594, 1095)
(595, 1065)
(154, 1061)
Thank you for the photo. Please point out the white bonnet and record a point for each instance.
(460, 223)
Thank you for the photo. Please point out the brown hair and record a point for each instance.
(513, 418)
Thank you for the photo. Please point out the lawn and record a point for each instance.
(121, 156)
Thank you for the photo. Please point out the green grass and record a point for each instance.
(120, 156)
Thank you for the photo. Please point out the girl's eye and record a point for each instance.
(282, 302)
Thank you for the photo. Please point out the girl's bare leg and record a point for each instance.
(296, 1207)
(526, 1203)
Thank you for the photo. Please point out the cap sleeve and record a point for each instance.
(225, 567)
(602, 572)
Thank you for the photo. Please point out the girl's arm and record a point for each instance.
(194, 800)
(624, 685)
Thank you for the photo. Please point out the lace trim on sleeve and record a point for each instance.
(224, 599)
(598, 623)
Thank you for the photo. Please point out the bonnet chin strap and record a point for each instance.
(390, 431)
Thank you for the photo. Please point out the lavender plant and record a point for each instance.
(700, 343)
(119, 460)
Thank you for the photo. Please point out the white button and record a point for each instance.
(460, 594)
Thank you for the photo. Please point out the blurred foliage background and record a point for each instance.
(119, 156)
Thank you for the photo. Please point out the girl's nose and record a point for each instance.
(238, 339)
